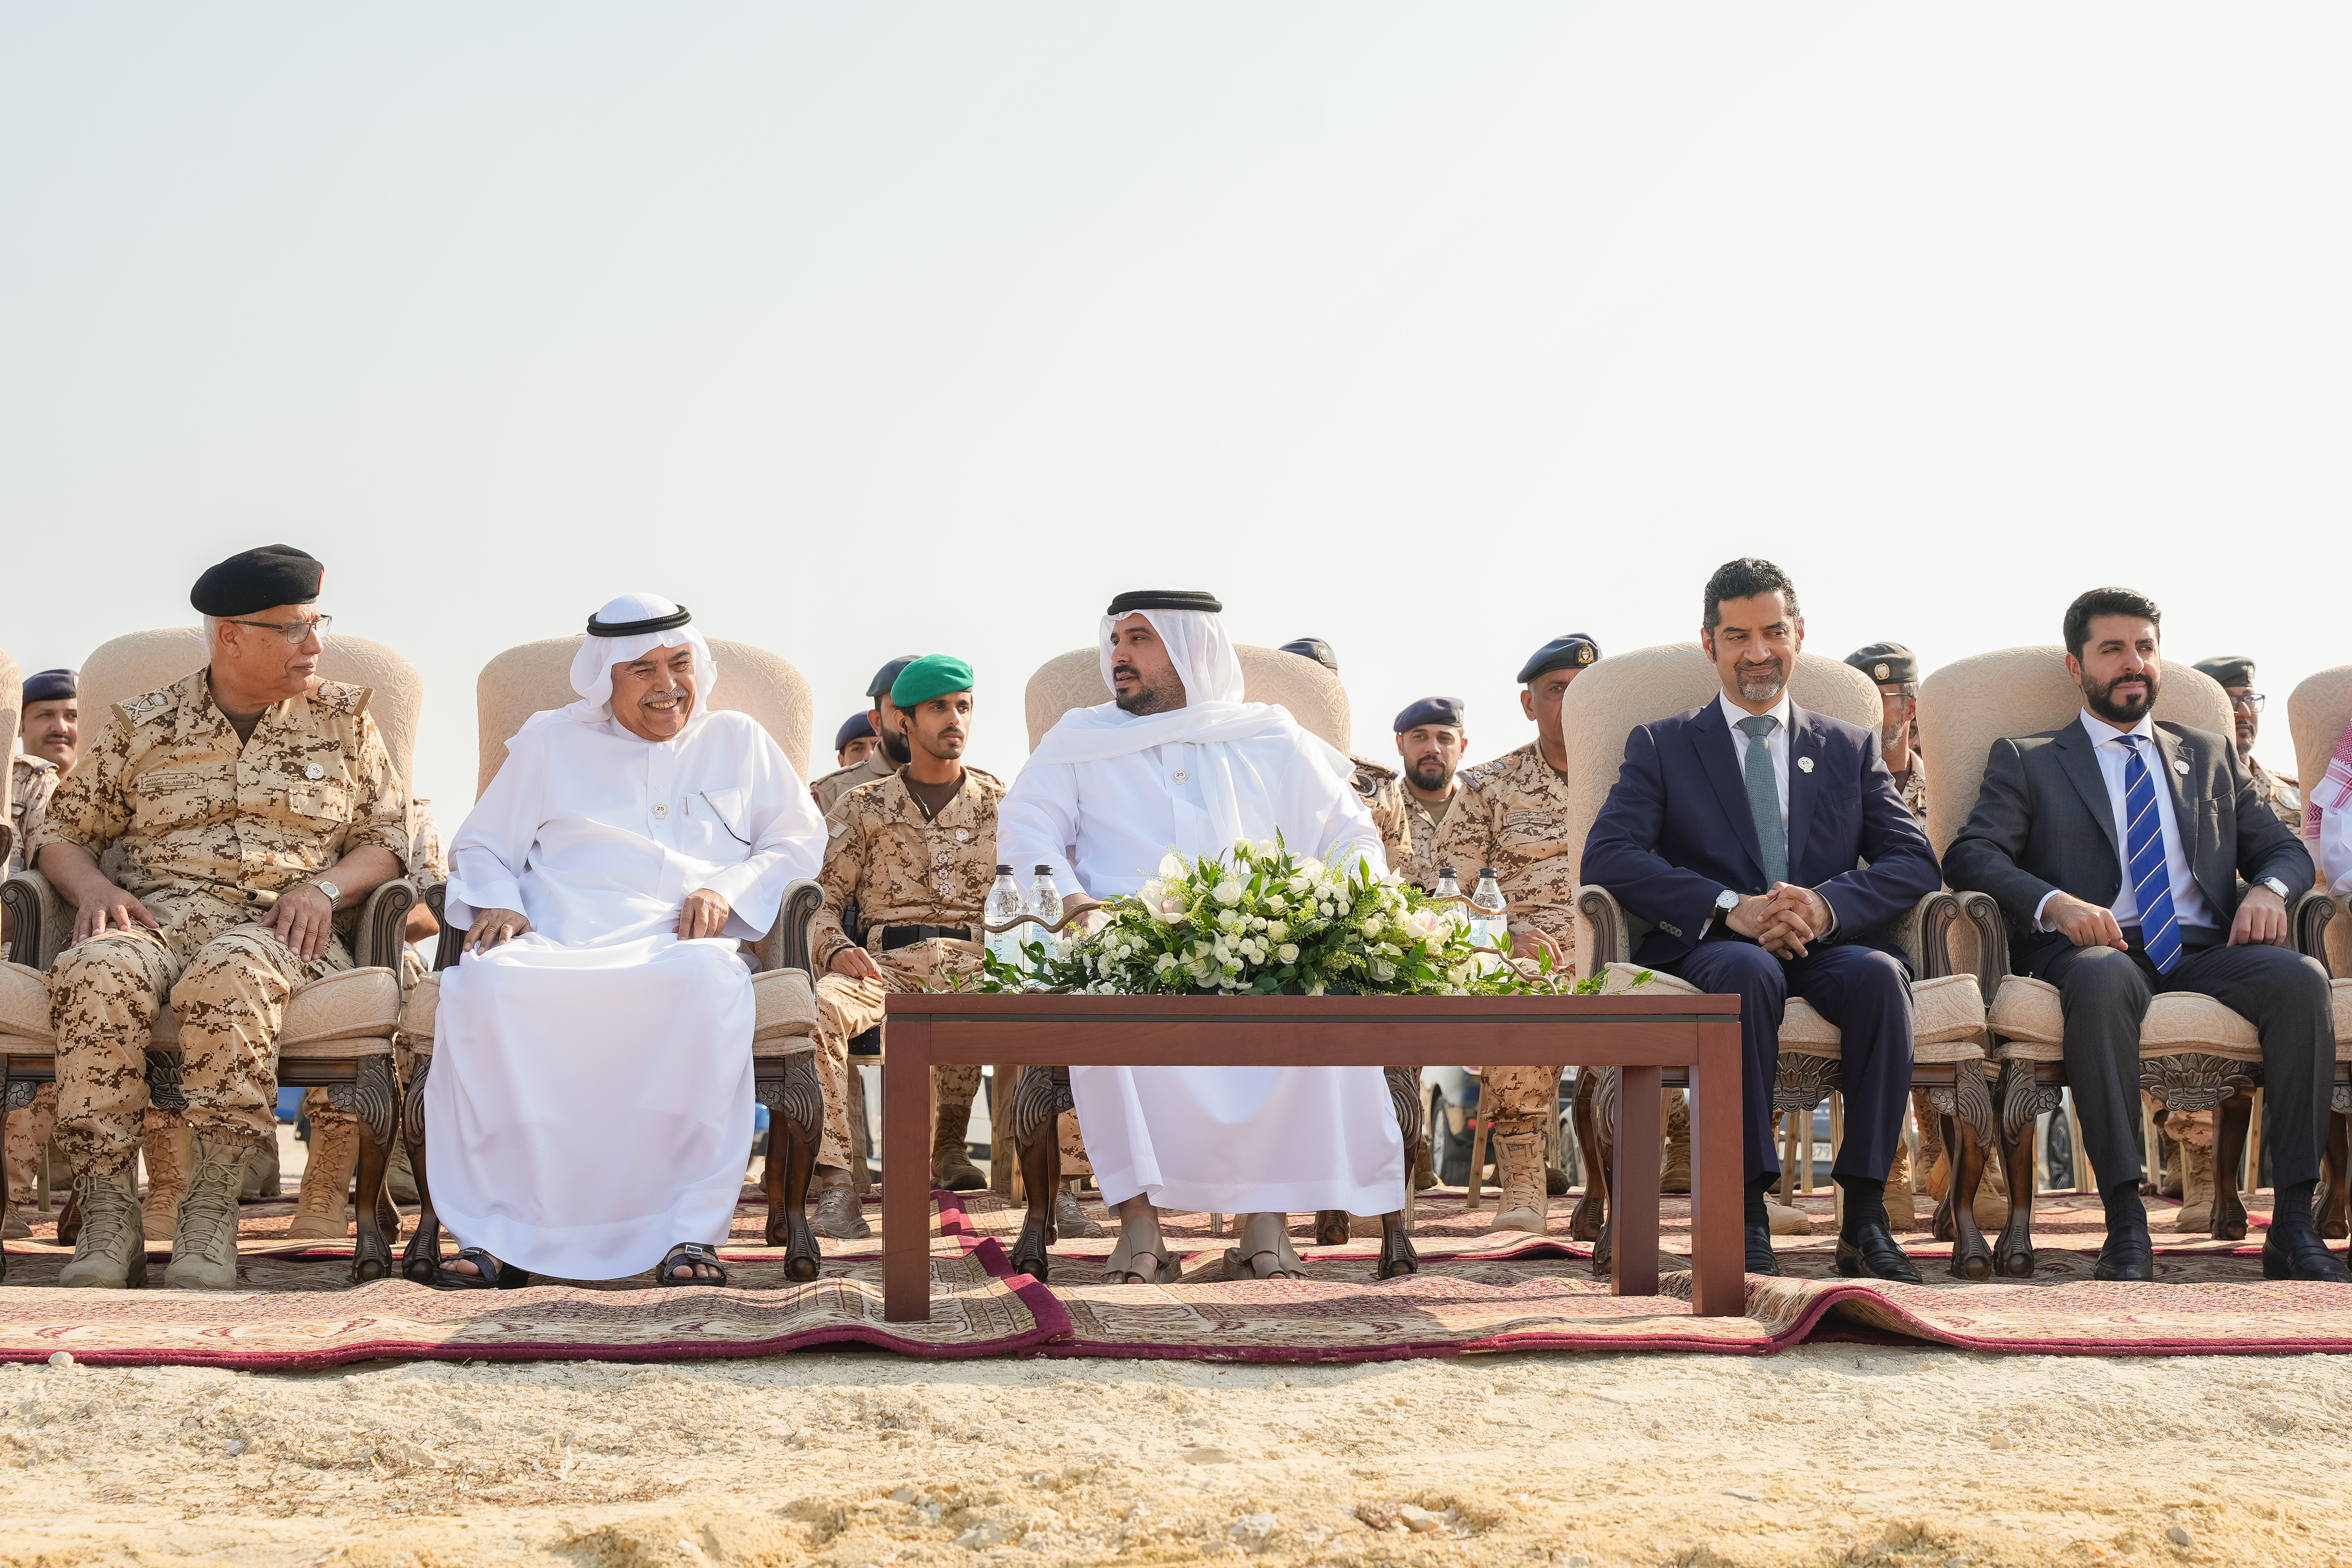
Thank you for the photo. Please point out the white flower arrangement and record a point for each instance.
(1262, 921)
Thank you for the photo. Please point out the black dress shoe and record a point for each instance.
(1873, 1255)
(1762, 1258)
(2300, 1255)
(2128, 1255)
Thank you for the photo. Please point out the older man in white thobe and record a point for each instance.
(1178, 759)
(591, 1096)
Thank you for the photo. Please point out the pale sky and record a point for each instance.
(1433, 331)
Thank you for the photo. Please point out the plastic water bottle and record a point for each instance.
(1003, 905)
(1447, 888)
(1045, 904)
(1492, 930)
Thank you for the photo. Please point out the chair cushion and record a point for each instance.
(1947, 1019)
(1618, 980)
(24, 1006)
(2342, 990)
(787, 1013)
(2031, 1027)
(416, 1014)
(350, 1013)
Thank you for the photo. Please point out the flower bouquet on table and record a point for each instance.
(1263, 920)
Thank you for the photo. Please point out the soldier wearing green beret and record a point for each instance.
(2235, 672)
(1895, 670)
(915, 853)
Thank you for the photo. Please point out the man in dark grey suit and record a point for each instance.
(2114, 846)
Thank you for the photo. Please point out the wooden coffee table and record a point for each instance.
(1639, 1034)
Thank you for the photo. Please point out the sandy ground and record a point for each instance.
(1825, 1454)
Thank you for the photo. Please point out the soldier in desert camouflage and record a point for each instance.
(250, 800)
(50, 730)
(1512, 814)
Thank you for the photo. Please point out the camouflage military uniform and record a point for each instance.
(1414, 857)
(1384, 797)
(1913, 786)
(2280, 793)
(900, 871)
(1510, 814)
(211, 831)
(829, 789)
(32, 780)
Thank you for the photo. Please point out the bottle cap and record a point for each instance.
(1041, 869)
(1485, 871)
(1004, 870)
(1445, 870)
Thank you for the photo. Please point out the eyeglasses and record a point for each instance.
(2251, 700)
(294, 632)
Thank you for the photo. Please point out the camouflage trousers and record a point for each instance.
(27, 1142)
(1518, 1099)
(847, 1008)
(227, 981)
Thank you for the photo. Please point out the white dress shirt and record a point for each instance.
(2188, 906)
(2334, 850)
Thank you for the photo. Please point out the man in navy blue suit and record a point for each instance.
(1737, 830)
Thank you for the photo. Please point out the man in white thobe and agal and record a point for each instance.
(1177, 759)
(590, 1094)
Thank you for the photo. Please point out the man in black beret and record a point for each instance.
(854, 740)
(1512, 814)
(52, 716)
(244, 804)
(1895, 670)
(1429, 737)
(2235, 673)
(889, 751)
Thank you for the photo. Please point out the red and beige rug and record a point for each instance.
(1474, 1295)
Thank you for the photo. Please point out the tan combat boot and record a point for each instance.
(167, 1150)
(204, 1253)
(1902, 1201)
(260, 1177)
(2197, 1183)
(110, 1254)
(1521, 1202)
(952, 1165)
(323, 1212)
(1676, 1177)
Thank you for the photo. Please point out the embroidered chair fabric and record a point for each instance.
(2195, 1054)
(1948, 1058)
(338, 1032)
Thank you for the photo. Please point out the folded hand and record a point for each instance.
(705, 915)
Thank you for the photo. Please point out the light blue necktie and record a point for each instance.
(2159, 932)
(1764, 798)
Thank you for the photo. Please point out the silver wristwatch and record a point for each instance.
(2275, 886)
(334, 894)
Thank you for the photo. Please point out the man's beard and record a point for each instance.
(943, 750)
(2130, 711)
(1759, 682)
(1430, 775)
(1891, 736)
(1155, 693)
(894, 750)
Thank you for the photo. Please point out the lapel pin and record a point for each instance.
(2180, 766)
(1805, 764)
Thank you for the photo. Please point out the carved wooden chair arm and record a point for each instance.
(1924, 931)
(382, 927)
(1982, 911)
(44, 920)
(2307, 922)
(788, 944)
(451, 942)
(1612, 935)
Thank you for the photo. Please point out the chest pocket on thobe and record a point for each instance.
(711, 828)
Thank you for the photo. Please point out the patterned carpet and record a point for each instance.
(1472, 1295)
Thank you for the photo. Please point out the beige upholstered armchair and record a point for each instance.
(2195, 1054)
(1313, 696)
(338, 1031)
(12, 715)
(2317, 712)
(1948, 1057)
(532, 678)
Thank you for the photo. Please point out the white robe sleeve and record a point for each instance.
(1349, 832)
(787, 835)
(1038, 821)
(493, 844)
(2336, 850)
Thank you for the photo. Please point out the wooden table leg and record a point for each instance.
(906, 1172)
(1718, 1167)
(1634, 1196)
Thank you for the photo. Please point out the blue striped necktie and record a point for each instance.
(2159, 932)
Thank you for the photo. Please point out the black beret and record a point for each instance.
(1165, 599)
(1431, 710)
(1317, 649)
(258, 580)
(1885, 662)
(1571, 649)
(884, 677)
(852, 728)
(51, 685)
(2230, 669)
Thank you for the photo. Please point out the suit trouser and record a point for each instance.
(2105, 995)
(1865, 993)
